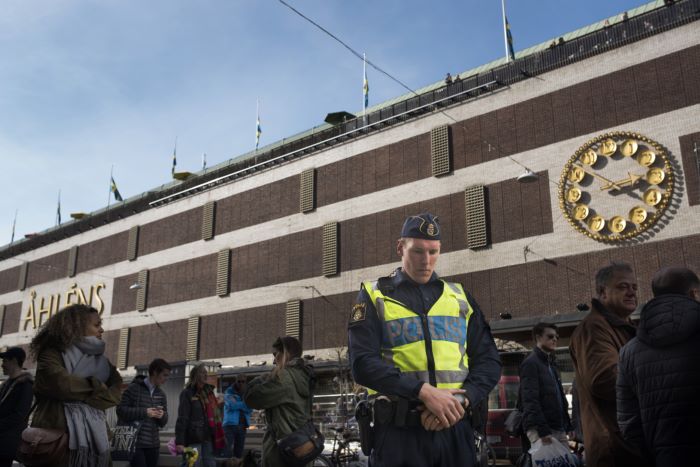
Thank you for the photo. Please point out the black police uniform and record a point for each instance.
(413, 445)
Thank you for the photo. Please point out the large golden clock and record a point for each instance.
(616, 186)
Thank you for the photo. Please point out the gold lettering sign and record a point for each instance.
(41, 309)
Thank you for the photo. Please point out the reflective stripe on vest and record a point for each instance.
(403, 342)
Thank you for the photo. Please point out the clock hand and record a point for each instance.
(610, 183)
(629, 181)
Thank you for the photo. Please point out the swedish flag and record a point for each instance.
(115, 190)
(258, 132)
(365, 90)
(509, 36)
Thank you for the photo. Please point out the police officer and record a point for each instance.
(422, 347)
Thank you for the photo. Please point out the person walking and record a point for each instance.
(422, 347)
(236, 417)
(15, 402)
(199, 422)
(75, 383)
(146, 402)
(595, 346)
(544, 406)
(284, 394)
(659, 373)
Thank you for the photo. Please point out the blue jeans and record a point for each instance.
(235, 439)
(206, 455)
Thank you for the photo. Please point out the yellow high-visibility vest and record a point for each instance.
(404, 343)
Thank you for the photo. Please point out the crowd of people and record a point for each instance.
(423, 350)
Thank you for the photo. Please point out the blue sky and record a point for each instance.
(87, 84)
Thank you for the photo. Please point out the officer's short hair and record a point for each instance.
(674, 280)
(604, 275)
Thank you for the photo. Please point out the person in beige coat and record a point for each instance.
(595, 348)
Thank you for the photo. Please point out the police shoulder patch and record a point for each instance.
(359, 312)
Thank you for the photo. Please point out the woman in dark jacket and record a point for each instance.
(75, 383)
(146, 402)
(284, 394)
(199, 420)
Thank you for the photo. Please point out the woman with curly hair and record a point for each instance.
(75, 383)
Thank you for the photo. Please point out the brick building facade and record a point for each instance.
(223, 271)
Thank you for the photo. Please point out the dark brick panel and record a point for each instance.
(166, 340)
(123, 298)
(9, 279)
(183, 227)
(10, 322)
(102, 252)
(186, 280)
(48, 269)
(691, 166)
(242, 332)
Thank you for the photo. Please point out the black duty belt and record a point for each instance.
(400, 412)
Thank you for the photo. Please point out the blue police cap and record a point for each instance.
(423, 226)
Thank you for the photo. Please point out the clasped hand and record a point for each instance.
(440, 408)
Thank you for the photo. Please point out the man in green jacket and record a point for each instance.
(285, 396)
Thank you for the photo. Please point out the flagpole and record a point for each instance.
(14, 224)
(109, 193)
(505, 30)
(58, 209)
(257, 123)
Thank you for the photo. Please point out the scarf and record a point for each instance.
(88, 441)
(211, 407)
(85, 358)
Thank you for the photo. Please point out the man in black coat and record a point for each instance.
(15, 403)
(144, 400)
(658, 382)
(544, 406)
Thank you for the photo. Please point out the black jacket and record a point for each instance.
(135, 400)
(542, 399)
(658, 383)
(16, 396)
(191, 426)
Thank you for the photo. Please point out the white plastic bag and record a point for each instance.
(554, 454)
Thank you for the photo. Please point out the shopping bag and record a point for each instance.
(124, 436)
(553, 454)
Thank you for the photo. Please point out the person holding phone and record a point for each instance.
(144, 400)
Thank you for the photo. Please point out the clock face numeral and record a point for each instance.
(608, 147)
(652, 196)
(589, 157)
(573, 195)
(580, 212)
(646, 158)
(576, 174)
(655, 176)
(629, 147)
(621, 196)
(617, 224)
(638, 215)
(596, 223)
